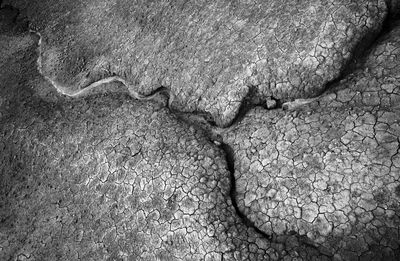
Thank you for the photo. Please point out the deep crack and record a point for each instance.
(203, 122)
(230, 161)
(248, 102)
(360, 53)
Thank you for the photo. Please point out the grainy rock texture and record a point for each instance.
(329, 169)
(207, 52)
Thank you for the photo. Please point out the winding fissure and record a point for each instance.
(205, 124)
(230, 161)
(360, 52)
(251, 101)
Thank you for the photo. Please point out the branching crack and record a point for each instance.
(205, 123)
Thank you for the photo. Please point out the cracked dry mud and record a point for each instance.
(110, 177)
(329, 169)
(208, 53)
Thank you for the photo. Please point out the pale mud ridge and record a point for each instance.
(110, 177)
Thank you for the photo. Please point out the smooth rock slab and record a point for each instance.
(109, 178)
(208, 53)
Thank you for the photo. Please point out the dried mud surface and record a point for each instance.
(308, 169)
(209, 54)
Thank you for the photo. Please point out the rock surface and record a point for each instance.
(208, 53)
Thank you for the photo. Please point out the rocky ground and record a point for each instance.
(199, 130)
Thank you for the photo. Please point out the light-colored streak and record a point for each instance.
(67, 92)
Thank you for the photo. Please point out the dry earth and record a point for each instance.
(199, 130)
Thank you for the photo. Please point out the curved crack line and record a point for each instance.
(230, 161)
(247, 104)
(97, 84)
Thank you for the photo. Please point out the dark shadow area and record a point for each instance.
(362, 51)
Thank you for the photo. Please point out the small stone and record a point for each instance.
(271, 104)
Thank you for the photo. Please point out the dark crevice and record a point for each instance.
(230, 160)
(247, 103)
(281, 239)
(389, 24)
(202, 122)
(367, 44)
(205, 122)
(254, 99)
(394, 9)
(160, 90)
(278, 103)
(360, 53)
(161, 95)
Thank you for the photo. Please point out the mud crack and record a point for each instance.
(206, 124)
